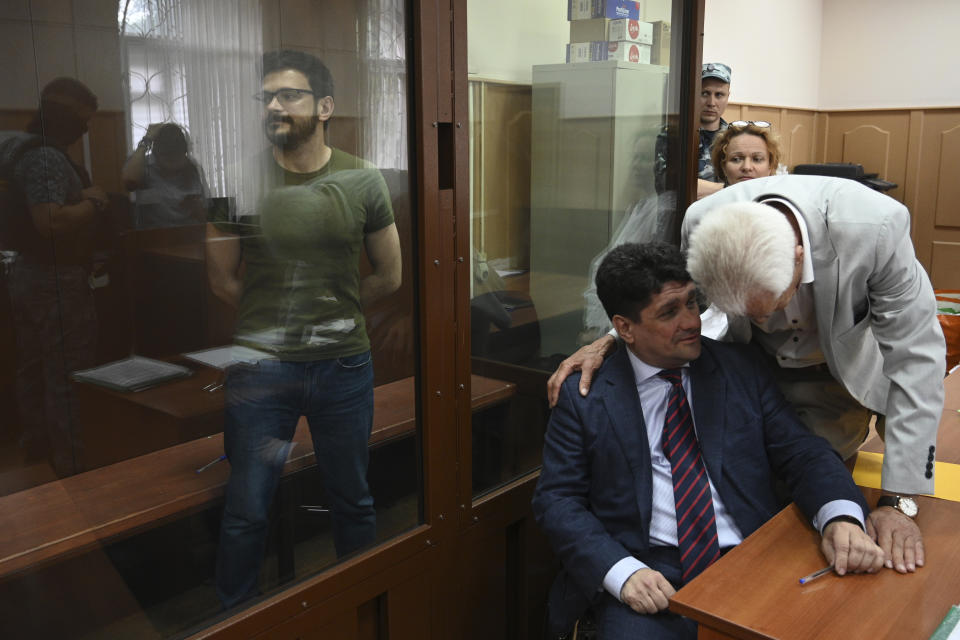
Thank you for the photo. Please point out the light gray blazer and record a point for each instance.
(876, 312)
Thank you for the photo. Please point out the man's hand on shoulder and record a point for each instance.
(646, 591)
(849, 549)
(899, 537)
(586, 359)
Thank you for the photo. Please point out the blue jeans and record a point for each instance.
(264, 402)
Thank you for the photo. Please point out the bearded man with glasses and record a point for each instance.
(291, 269)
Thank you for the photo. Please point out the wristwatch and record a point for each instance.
(906, 506)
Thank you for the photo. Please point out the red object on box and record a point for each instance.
(628, 52)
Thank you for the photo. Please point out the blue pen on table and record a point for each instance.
(211, 463)
(816, 574)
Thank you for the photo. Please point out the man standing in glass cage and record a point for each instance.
(291, 269)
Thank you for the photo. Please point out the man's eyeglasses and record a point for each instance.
(740, 124)
(286, 96)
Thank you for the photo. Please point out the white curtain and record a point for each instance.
(383, 68)
(196, 63)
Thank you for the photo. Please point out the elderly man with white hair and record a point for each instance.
(821, 273)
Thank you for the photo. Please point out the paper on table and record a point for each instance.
(134, 373)
(223, 357)
(869, 465)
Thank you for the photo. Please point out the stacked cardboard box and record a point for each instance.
(608, 30)
(625, 29)
(604, 50)
(660, 51)
(613, 9)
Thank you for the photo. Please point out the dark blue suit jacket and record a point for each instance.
(593, 499)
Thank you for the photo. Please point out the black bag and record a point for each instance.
(833, 169)
(848, 170)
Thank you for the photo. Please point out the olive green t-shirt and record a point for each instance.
(301, 252)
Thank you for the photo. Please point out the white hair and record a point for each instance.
(741, 249)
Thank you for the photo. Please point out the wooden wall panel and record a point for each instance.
(336, 624)
(934, 194)
(482, 581)
(408, 611)
(945, 265)
(734, 112)
(948, 187)
(876, 139)
(797, 137)
(820, 141)
(868, 141)
(504, 578)
(752, 112)
(501, 172)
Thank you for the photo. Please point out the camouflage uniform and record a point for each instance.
(704, 165)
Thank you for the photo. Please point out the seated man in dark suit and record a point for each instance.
(641, 491)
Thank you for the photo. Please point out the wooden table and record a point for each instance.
(753, 591)
(81, 512)
(115, 426)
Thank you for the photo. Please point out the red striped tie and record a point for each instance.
(696, 522)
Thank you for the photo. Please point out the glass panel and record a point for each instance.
(208, 357)
(570, 143)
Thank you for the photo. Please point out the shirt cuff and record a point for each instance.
(619, 573)
(836, 508)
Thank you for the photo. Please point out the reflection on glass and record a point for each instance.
(234, 276)
(569, 158)
(300, 302)
(53, 213)
(168, 184)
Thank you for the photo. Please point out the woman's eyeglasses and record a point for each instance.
(739, 124)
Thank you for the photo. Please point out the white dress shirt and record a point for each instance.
(790, 334)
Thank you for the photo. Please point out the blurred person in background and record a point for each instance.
(52, 215)
(169, 185)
